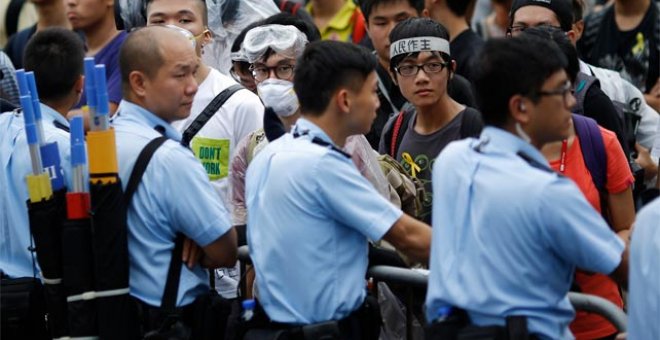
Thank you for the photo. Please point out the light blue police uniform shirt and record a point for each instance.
(15, 259)
(507, 236)
(174, 195)
(310, 213)
(644, 283)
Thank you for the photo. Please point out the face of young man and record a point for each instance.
(169, 93)
(424, 88)
(364, 104)
(382, 20)
(549, 119)
(275, 66)
(187, 14)
(532, 16)
(83, 14)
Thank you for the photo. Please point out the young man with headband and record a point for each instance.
(421, 63)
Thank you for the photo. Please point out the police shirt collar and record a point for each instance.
(142, 114)
(511, 142)
(50, 115)
(305, 126)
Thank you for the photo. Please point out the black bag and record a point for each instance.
(23, 309)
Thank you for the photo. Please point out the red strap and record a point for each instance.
(295, 9)
(395, 133)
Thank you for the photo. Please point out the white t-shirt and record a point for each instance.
(214, 145)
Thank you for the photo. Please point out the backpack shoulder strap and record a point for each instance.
(593, 149)
(592, 24)
(583, 82)
(471, 123)
(399, 130)
(140, 166)
(207, 113)
(12, 16)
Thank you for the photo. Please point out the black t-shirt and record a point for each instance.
(464, 48)
(460, 89)
(417, 153)
(633, 53)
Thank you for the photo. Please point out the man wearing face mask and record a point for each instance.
(215, 143)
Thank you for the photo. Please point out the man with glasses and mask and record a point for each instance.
(215, 143)
(508, 220)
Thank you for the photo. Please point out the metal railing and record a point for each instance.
(418, 279)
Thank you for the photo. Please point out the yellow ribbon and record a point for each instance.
(639, 46)
(414, 168)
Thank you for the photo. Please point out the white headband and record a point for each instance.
(418, 44)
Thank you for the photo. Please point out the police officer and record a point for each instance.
(507, 240)
(158, 66)
(310, 212)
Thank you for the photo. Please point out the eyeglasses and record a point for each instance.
(243, 68)
(262, 72)
(429, 68)
(566, 91)
(517, 29)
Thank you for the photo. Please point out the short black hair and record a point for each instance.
(56, 57)
(417, 27)
(202, 3)
(578, 10)
(510, 66)
(307, 28)
(560, 38)
(326, 66)
(459, 7)
(366, 6)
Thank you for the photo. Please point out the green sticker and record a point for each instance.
(214, 155)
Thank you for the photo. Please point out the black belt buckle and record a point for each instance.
(328, 330)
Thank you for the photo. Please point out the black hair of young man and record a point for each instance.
(511, 66)
(366, 6)
(417, 27)
(229, 8)
(560, 38)
(326, 66)
(56, 57)
(307, 28)
(458, 7)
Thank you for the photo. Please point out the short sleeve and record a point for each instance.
(575, 231)
(239, 166)
(248, 115)
(194, 208)
(351, 199)
(619, 176)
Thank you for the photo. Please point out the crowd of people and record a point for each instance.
(509, 148)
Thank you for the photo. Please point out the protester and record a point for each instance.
(339, 20)
(421, 62)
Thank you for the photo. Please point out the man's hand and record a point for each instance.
(646, 162)
(192, 253)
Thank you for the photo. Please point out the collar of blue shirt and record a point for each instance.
(502, 139)
(304, 126)
(143, 115)
(52, 116)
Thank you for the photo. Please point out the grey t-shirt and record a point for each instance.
(422, 151)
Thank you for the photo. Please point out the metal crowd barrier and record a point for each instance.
(418, 279)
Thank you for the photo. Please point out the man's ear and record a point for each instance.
(343, 100)
(426, 13)
(79, 84)
(519, 109)
(207, 38)
(138, 82)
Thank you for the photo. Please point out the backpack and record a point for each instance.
(629, 121)
(406, 191)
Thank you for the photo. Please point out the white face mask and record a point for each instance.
(278, 94)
